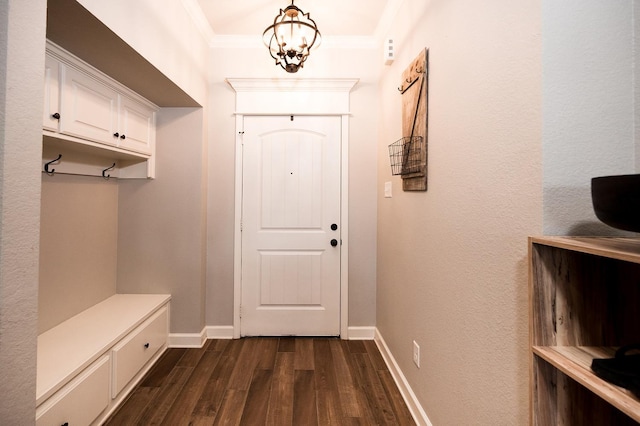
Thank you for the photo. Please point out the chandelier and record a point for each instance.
(291, 37)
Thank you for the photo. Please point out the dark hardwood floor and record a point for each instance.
(267, 381)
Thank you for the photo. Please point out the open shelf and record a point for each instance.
(584, 296)
(575, 362)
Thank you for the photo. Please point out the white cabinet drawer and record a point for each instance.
(131, 354)
(81, 401)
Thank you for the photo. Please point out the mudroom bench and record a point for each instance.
(89, 363)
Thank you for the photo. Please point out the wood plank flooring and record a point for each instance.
(267, 381)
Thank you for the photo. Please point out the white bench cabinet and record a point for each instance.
(89, 363)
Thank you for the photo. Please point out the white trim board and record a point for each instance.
(222, 332)
(410, 398)
(197, 340)
(187, 340)
(361, 333)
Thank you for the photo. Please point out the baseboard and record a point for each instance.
(410, 398)
(196, 340)
(361, 333)
(219, 332)
(187, 340)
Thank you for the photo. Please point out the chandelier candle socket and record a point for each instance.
(291, 37)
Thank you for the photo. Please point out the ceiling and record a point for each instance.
(335, 18)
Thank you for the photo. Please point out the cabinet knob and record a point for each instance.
(146, 345)
(122, 136)
(116, 134)
(56, 116)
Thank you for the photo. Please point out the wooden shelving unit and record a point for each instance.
(584, 302)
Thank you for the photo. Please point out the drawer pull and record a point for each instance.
(65, 424)
(146, 345)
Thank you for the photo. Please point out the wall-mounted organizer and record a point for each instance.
(408, 155)
(69, 158)
(88, 114)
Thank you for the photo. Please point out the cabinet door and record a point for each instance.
(88, 109)
(51, 93)
(136, 126)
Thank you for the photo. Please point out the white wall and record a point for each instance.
(164, 34)
(255, 62)
(21, 100)
(452, 261)
(588, 107)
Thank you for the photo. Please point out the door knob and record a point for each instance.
(334, 226)
(334, 242)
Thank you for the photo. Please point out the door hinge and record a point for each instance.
(240, 311)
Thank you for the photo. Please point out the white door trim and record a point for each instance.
(293, 97)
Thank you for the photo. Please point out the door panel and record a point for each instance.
(89, 109)
(291, 196)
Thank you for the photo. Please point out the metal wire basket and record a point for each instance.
(405, 155)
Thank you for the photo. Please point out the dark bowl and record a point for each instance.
(616, 201)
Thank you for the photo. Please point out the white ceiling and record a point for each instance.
(335, 18)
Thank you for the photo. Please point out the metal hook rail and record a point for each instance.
(52, 171)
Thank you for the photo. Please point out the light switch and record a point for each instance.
(387, 190)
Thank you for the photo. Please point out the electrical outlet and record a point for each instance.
(416, 354)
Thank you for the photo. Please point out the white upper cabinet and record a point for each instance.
(136, 125)
(84, 106)
(88, 108)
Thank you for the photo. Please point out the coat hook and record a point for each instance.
(401, 88)
(46, 165)
(106, 176)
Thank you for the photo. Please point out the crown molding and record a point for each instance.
(292, 84)
(386, 19)
(199, 20)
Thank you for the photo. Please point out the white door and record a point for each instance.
(291, 226)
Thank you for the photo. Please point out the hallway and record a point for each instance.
(268, 381)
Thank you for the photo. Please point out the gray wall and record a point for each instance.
(452, 261)
(78, 245)
(589, 114)
(21, 100)
(161, 224)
